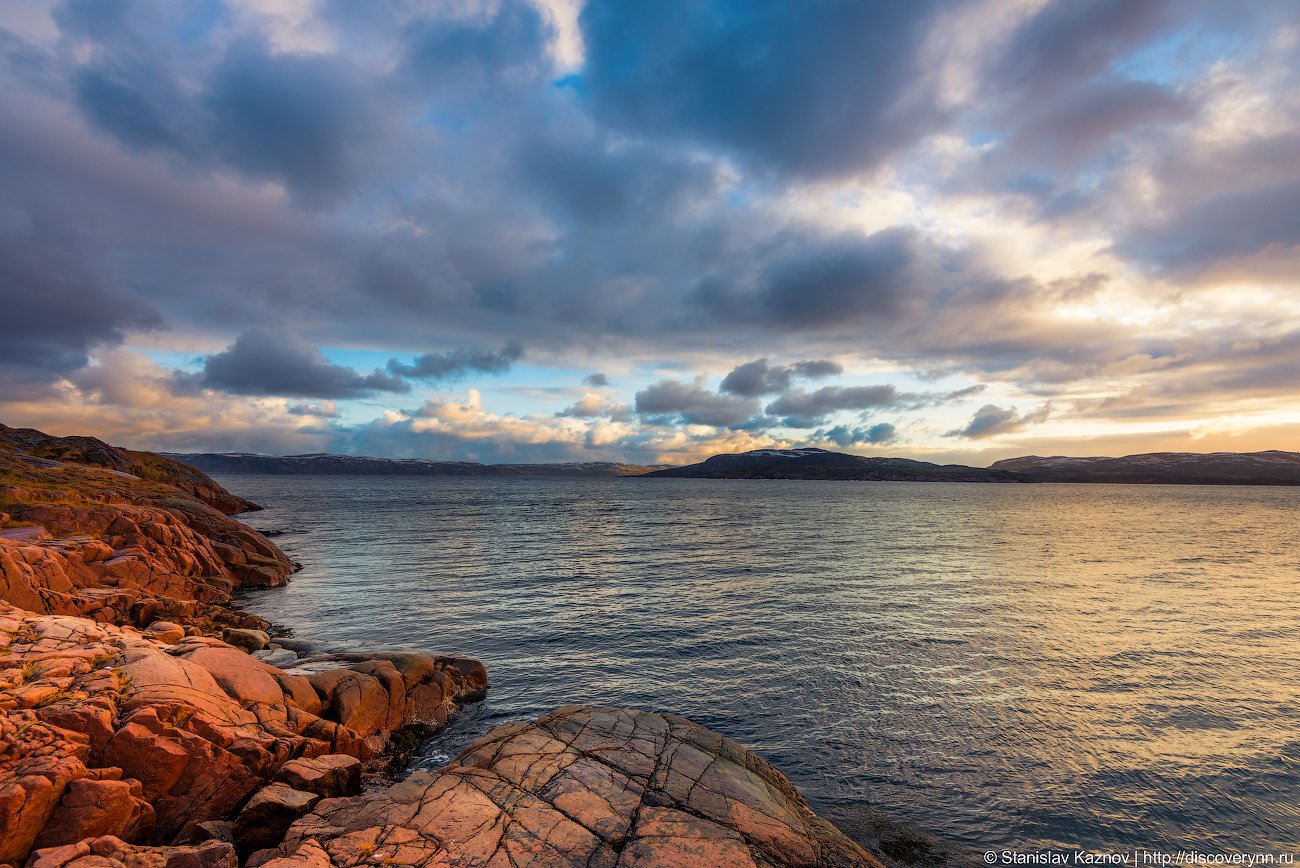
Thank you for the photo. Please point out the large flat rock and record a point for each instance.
(580, 787)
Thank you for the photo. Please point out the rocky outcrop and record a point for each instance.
(117, 550)
(109, 730)
(92, 452)
(579, 787)
(123, 716)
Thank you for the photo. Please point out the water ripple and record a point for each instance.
(1095, 666)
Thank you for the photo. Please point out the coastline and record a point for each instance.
(136, 736)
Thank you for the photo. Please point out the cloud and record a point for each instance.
(589, 406)
(134, 403)
(1221, 229)
(292, 118)
(56, 311)
(828, 282)
(816, 94)
(801, 409)
(266, 362)
(756, 378)
(692, 404)
(458, 364)
(596, 380)
(991, 420)
(844, 436)
(323, 410)
(1088, 203)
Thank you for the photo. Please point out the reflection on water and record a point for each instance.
(1104, 666)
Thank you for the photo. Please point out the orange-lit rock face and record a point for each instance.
(111, 731)
(124, 537)
(580, 786)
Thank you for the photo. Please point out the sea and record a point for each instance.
(1102, 667)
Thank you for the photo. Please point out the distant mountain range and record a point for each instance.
(1168, 468)
(822, 464)
(350, 465)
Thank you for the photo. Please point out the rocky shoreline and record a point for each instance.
(146, 720)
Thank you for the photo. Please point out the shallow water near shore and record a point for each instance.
(1094, 666)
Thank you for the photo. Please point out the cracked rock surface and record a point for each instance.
(579, 787)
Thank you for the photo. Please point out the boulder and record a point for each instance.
(356, 700)
(94, 808)
(327, 776)
(249, 640)
(268, 815)
(298, 646)
(165, 631)
(278, 657)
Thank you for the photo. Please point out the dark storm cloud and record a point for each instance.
(992, 419)
(591, 180)
(692, 404)
(306, 121)
(825, 282)
(115, 101)
(300, 120)
(266, 362)
(596, 380)
(814, 89)
(756, 378)
(848, 435)
(54, 309)
(800, 409)
(458, 364)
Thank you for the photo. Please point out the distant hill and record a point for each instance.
(822, 464)
(1168, 468)
(351, 465)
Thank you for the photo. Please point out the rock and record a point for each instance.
(580, 787)
(278, 657)
(249, 640)
(356, 700)
(165, 631)
(268, 815)
(327, 776)
(112, 852)
(200, 724)
(94, 808)
(210, 830)
(298, 646)
(241, 676)
(30, 795)
(309, 855)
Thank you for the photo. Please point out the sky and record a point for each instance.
(650, 232)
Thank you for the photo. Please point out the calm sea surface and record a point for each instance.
(1036, 665)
